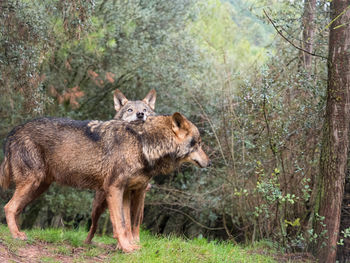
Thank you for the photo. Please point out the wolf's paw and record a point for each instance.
(136, 247)
(119, 247)
(127, 248)
(20, 235)
(136, 244)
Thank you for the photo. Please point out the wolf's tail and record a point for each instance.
(5, 174)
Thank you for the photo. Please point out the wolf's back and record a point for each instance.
(20, 141)
(65, 147)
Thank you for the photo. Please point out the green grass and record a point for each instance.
(62, 242)
(48, 260)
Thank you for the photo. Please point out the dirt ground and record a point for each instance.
(45, 252)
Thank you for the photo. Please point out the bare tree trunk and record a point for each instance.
(343, 251)
(308, 32)
(335, 144)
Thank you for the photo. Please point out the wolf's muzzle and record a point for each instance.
(140, 115)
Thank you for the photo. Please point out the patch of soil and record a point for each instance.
(39, 251)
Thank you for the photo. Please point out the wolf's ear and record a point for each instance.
(150, 98)
(119, 99)
(180, 125)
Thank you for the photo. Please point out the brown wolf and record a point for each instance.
(128, 111)
(133, 110)
(115, 158)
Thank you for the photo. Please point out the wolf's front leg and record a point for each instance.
(137, 207)
(120, 222)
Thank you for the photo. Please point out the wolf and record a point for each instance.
(133, 110)
(115, 158)
(126, 110)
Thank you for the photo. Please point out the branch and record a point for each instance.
(290, 42)
(212, 128)
(193, 220)
(106, 90)
(185, 192)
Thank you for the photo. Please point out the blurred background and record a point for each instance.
(257, 100)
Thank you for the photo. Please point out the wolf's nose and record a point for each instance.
(140, 115)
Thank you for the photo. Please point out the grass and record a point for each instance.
(54, 244)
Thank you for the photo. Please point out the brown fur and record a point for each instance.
(4, 170)
(128, 111)
(116, 158)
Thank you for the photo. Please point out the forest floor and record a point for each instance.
(59, 245)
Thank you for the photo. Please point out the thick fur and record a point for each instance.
(116, 158)
(126, 110)
(5, 174)
(132, 110)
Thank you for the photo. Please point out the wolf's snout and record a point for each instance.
(208, 164)
(140, 115)
(199, 158)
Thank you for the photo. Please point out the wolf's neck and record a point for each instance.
(159, 146)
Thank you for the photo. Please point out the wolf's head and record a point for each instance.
(189, 141)
(169, 141)
(133, 110)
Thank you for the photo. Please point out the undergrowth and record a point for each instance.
(57, 245)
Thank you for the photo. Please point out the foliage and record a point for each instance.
(23, 44)
(263, 131)
(218, 62)
(133, 46)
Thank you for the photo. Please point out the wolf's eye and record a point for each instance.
(144, 110)
(130, 110)
(193, 142)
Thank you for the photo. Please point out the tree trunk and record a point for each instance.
(308, 32)
(343, 251)
(335, 142)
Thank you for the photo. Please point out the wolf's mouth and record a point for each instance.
(198, 164)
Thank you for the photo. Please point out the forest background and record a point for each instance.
(252, 75)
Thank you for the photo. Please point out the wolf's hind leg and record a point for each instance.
(23, 195)
(127, 216)
(34, 195)
(137, 207)
(116, 210)
(98, 207)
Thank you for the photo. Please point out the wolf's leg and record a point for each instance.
(127, 215)
(98, 207)
(34, 195)
(24, 194)
(137, 206)
(115, 205)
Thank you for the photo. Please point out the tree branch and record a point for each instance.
(193, 220)
(290, 42)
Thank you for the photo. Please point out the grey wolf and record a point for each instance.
(127, 110)
(115, 158)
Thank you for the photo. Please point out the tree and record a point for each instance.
(308, 32)
(336, 129)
